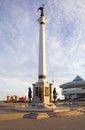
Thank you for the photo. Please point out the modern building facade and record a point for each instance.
(74, 89)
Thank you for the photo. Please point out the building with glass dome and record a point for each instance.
(74, 89)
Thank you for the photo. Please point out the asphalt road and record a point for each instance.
(64, 123)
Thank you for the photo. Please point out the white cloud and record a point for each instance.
(68, 28)
(13, 86)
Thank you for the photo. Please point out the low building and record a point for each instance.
(74, 89)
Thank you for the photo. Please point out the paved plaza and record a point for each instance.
(66, 120)
(67, 123)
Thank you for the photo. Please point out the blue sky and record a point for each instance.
(19, 34)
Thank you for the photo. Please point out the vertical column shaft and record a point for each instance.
(42, 51)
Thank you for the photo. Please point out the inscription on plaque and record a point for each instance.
(47, 91)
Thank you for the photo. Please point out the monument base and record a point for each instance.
(42, 97)
(41, 93)
(40, 107)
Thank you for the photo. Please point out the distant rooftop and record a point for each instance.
(78, 78)
(78, 81)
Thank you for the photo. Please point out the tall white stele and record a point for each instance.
(42, 51)
(41, 90)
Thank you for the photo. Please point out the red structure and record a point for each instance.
(23, 99)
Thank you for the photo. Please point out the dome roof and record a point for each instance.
(78, 81)
(78, 78)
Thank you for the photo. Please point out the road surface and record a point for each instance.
(59, 123)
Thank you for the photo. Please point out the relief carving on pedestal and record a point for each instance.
(41, 94)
